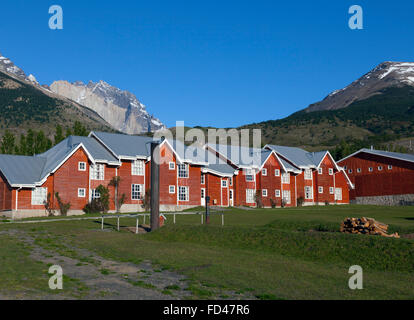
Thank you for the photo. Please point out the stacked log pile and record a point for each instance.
(366, 226)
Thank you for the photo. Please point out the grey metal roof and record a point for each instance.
(242, 156)
(21, 170)
(394, 155)
(221, 168)
(299, 157)
(124, 145)
(24, 170)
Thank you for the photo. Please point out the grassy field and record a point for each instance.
(294, 253)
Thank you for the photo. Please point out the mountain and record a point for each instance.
(377, 109)
(121, 109)
(386, 75)
(25, 104)
(8, 66)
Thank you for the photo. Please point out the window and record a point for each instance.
(264, 172)
(231, 181)
(331, 190)
(203, 193)
(97, 172)
(81, 192)
(350, 171)
(379, 168)
(171, 166)
(231, 195)
(264, 192)
(308, 193)
(82, 166)
(224, 183)
(39, 196)
(95, 194)
(137, 168)
(203, 179)
(182, 170)
(286, 196)
(389, 167)
(137, 191)
(320, 189)
(345, 167)
(249, 175)
(172, 189)
(308, 174)
(277, 193)
(330, 171)
(286, 178)
(277, 172)
(249, 195)
(359, 170)
(320, 170)
(338, 194)
(371, 169)
(183, 194)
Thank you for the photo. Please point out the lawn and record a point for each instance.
(294, 253)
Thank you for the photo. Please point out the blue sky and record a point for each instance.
(220, 63)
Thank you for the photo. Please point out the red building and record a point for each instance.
(228, 175)
(380, 177)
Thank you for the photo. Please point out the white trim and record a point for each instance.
(169, 189)
(84, 193)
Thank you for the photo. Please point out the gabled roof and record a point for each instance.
(393, 155)
(124, 146)
(31, 171)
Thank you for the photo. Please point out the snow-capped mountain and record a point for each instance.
(8, 66)
(119, 108)
(387, 74)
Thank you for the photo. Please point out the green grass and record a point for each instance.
(293, 253)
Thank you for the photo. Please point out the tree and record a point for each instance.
(59, 134)
(119, 201)
(8, 141)
(30, 140)
(22, 149)
(79, 130)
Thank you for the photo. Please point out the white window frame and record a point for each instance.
(336, 195)
(308, 174)
(380, 168)
(183, 193)
(171, 165)
(39, 196)
(171, 189)
(137, 192)
(183, 170)
(81, 164)
(81, 192)
(331, 190)
(277, 172)
(370, 169)
(277, 193)
(359, 170)
(320, 170)
(250, 173)
(390, 167)
(250, 193)
(97, 171)
(264, 192)
(264, 172)
(286, 178)
(350, 171)
(308, 193)
(95, 194)
(224, 183)
(138, 168)
(286, 196)
(203, 179)
(331, 171)
(231, 181)
(320, 189)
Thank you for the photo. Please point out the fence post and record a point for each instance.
(118, 223)
(144, 217)
(201, 218)
(222, 219)
(102, 225)
(137, 230)
(174, 218)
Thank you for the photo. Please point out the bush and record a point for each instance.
(301, 201)
(273, 203)
(49, 206)
(63, 207)
(98, 205)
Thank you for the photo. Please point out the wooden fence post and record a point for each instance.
(102, 225)
(222, 219)
(137, 230)
(118, 223)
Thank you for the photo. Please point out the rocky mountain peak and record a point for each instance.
(385, 75)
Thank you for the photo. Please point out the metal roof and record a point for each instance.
(395, 155)
(242, 156)
(21, 170)
(299, 157)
